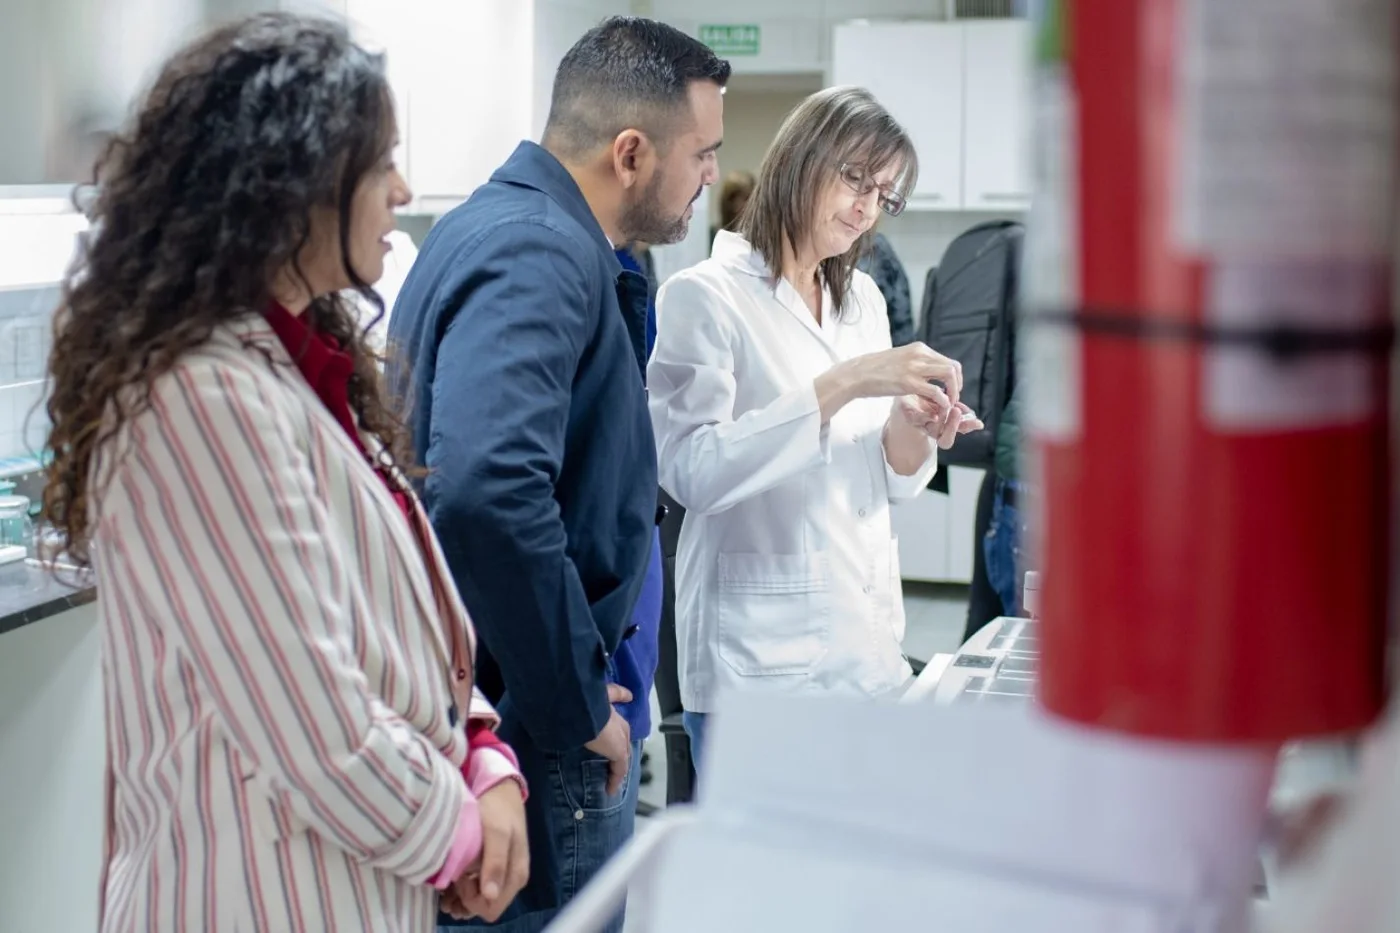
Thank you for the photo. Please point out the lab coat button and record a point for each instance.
(861, 513)
(869, 589)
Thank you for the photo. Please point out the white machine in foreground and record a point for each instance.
(974, 810)
(827, 815)
(963, 807)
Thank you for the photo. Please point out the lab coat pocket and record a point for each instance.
(774, 612)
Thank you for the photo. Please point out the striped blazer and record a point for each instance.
(282, 665)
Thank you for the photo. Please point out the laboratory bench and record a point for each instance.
(30, 593)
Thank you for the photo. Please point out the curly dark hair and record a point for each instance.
(198, 204)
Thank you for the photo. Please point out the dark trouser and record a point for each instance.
(574, 827)
(1003, 546)
(983, 603)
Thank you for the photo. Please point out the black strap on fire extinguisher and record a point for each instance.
(1284, 342)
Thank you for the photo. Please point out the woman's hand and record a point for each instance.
(908, 370)
(912, 369)
(942, 423)
(486, 889)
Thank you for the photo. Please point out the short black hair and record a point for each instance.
(626, 73)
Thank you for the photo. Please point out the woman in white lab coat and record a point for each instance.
(786, 424)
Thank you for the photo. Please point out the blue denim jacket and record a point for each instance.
(519, 344)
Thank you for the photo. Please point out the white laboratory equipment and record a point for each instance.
(962, 807)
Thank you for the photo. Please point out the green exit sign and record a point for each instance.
(731, 38)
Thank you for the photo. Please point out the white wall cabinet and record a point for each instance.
(962, 90)
(916, 71)
(935, 530)
(996, 115)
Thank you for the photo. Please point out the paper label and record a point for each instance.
(1247, 389)
(1287, 127)
(1051, 263)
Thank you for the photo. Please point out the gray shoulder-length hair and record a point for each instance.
(834, 127)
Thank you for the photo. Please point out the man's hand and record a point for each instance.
(615, 741)
(488, 887)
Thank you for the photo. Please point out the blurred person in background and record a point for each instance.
(293, 735)
(786, 423)
(523, 347)
(1002, 545)
(882, 264)
(734, 194)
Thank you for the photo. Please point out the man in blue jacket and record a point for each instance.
(521, 356)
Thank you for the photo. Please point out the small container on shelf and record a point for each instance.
(16, 528)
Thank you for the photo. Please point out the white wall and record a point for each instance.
(795, 35)
(751, 118)
(558, 25)
(52, 742)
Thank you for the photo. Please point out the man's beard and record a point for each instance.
(644, 220)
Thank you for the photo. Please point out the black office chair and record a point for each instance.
(680, 768)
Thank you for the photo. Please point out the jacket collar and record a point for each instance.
(732, 250)
(735, 253)
(533, 166)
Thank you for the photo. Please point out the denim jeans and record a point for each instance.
(1003, 546)
(574, 826)
(694, 724)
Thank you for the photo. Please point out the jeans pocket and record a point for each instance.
(583, 782)
(596, 798)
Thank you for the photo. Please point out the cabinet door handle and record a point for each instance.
(1005, 196)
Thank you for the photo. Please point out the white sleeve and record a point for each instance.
(709, 459)
(907, 487)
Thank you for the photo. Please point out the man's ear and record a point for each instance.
(631, 151)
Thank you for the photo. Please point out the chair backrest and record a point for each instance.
(668, 677)
(972, 320)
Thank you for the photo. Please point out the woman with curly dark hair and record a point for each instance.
(293, 737)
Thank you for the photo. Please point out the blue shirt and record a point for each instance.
(637, 657)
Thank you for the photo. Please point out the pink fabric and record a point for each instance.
(487, 767)
(479, 735)
(466, 845)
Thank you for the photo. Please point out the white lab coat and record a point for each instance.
(787, 576)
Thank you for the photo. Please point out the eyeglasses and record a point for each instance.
(858, 180)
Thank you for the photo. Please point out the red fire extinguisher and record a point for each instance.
(1208, 300)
